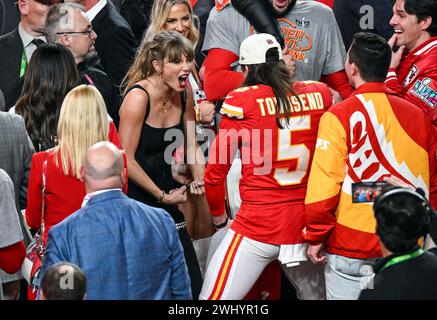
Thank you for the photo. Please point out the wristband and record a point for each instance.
(161, 197)
(222, 225)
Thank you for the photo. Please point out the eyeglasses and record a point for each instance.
(87, 32)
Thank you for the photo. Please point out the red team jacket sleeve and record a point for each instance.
(339, 82)
(219, 77)
(421, 92)
(11, 257)
(115, 139)
(392, 82)
(113, 135)
(325, 180)
(34, 196)
(219, 162)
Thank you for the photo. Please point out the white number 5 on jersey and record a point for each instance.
(289, 151)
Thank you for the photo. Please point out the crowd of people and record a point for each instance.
(166, 155)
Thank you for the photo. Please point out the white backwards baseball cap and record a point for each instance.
(254, 48)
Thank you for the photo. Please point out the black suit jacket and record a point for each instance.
(115, 43)
(348, 15)
(11, 51)
(109, 92)
(137, 14)
(9, 16)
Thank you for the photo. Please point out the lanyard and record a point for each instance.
(23, 64)
(89, 80)
(402, 258)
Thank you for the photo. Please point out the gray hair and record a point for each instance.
(60, 19)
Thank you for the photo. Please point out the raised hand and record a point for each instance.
(289, 62)
(207, 111)
(197, 187)
(396, 56)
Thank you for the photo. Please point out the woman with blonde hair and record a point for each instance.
(83, 121)
(173, 15)
(156, 117)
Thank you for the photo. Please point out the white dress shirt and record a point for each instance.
(94, 11)
(88, 196)
(27, 38)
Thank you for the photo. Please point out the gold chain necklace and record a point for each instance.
(164, 104)
(164, 109)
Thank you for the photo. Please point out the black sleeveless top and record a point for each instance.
(150, 155)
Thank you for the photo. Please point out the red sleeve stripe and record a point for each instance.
(392, 74)
(390, 79)
(427, 48)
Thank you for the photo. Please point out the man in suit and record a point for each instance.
(115, 43)
(16, 150)
(18, 45)
(127, 249)
(68, 25)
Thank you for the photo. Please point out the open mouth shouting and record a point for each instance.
(183, 80)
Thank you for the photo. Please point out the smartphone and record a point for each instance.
(199, 96)
(367, 191)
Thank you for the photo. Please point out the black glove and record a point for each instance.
(261, 16)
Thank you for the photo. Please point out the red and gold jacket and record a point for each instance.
(366, 137)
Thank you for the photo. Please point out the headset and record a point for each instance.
(422, 201)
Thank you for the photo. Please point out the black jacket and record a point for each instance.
(115, 43)
(111, 95)
(9, 16)
(137, 14)
(11, 52)
(353, 16)
(408, 280)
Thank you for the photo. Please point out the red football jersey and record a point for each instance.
(275, 162)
